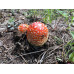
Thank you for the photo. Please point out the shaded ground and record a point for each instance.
(15, 49)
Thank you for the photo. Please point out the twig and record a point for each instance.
(53, 62)
(49, 55)
(33, 52)
(23, 58)
(63, 53)
(54, 48)
(42, 58)
(30, 53)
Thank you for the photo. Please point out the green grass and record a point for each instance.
(51, 14)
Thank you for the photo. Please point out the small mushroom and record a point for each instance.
(23, 28)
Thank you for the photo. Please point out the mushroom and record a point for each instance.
(37, 33)
(23, 28)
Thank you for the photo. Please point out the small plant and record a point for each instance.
(11, 24)
(11, 20)
(71, 57)
(70, 49)
(58, 40)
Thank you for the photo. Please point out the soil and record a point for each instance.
(15, 49)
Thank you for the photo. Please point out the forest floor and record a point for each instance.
(15, 49)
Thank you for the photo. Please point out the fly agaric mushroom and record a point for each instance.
(37, 33)
(23, 28)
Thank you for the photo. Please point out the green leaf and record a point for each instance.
(72, 34)
(72, 19)
(72, 48)
(11, 19)
(72, 24)
(65, 14)
(73, 13)
(58, 59)
(71, 44)
(68, 28)
(58, 40)
(71, 57)
(50, 14)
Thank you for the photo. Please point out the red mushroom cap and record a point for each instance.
(37, 34)
(23, 28)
